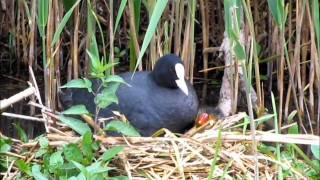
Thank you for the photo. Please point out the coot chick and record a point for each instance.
(158, 99)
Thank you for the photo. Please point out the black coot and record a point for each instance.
(158, 99)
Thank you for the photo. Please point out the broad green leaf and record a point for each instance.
(56, 160)
(72, 153)
(22, 134)
(75, 124)
(5, 145)
(106, 97)
(24, 167)
(96, 168)
(62, 24)
(81, 167)
(41, 152)
(154, 20)
(79, 83)
(111, 153)
(76, 110)
(44, 142)
(114, 78)
(36, 173)
(315, 151)
(5, 148)
(87, 145)
(122, 127)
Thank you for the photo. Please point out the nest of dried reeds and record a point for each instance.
(217, 148)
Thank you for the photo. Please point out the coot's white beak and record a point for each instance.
(181, 82)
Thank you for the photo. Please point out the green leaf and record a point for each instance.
(44, 142)
(43, 11)
(87, 145)
(293, 129)
(120, 12)
(122, 127)
(96, 168)
(76, 110)
(315, 149)
(79, 83)
(119, 178)
(22, 134)
(56, 160)
(72, 153)
(111, 153)
(106, 97)
(41, 152)
(114, 78)
(81, 168)
(154, 20)
(24, 167)
(75, 124)
(36, 173)
(95, 61)
(277, 10)
(62, 24)
(5, 145)
(239, 51)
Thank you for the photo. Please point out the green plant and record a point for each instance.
(72, 161)
(104, 95)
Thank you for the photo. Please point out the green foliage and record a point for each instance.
(121, 127)
(22, 134)
(154, 20)
(63, 23)
(75, 124)
(72, 161)
(43, 11)
(79, 83)
(216, 155)
(5, 145)
(111, 153)
(104, 95)
(76, 110)
(316, 151)
(277, 9)
(120, 12)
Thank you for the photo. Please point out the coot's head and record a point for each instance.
(169, 72)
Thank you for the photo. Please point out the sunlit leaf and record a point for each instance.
(76, 110)
(79, 83)
(111, 153)
(75, 124)
(122, 127)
